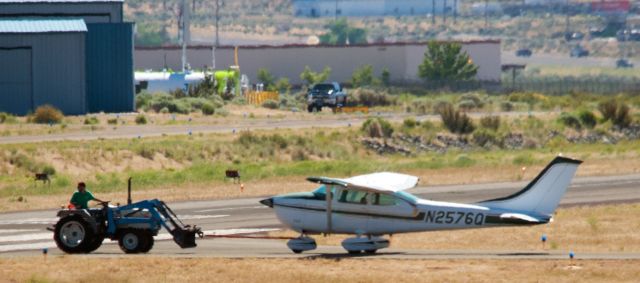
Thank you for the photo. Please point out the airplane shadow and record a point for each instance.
(524, 254)
(347, 255)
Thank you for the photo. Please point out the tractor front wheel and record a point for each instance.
(133, 241)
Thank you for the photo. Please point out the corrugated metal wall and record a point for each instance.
(109, 62)
(15, 80)
(57, 69)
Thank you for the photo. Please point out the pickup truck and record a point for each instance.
(326, 94)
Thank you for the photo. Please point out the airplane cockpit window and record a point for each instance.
(383, 199)
(355, 197)
(407, 196)
(321, 192)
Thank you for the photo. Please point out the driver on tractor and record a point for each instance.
(81, 198)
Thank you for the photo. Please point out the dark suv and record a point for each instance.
(325, 94)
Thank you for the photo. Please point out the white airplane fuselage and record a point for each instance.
(310, 216)
(376, 204)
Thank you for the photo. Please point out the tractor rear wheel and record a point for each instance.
(73, 235)
(132, 241)
(95, 244)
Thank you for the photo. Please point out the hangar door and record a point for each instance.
(16, 95)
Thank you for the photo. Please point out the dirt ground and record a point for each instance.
(158, 269)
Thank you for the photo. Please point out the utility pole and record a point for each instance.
(444, 12)
(216, 41)
(336, 12)
(433, 12)
(566, 15)
(455, 11)
(217, 22)
(184, 31)
(486, 14)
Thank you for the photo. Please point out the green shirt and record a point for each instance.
(82, 199)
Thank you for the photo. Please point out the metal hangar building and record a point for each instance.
(76, 55)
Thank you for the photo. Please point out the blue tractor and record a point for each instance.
(133, 225)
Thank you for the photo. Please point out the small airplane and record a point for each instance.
(377, 204)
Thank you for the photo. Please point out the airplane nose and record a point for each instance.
(268, 202)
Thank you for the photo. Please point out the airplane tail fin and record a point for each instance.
(542, 195)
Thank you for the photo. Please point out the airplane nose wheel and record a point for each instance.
(302, 244)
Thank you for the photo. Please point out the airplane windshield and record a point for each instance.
(321, 192)
(407, 196)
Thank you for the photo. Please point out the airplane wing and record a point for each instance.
(382, 181)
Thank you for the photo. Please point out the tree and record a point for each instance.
(266, 78)
(151, 35)
(311, 77)
(385, 77)
(363, 76)
(339, 32)
(283, 85)
(446, 61)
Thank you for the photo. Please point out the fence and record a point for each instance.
(258, 97)
(564, 85)
(552, 85)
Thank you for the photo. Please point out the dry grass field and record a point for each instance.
(158, 269)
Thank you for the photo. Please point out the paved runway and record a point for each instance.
(23, 233)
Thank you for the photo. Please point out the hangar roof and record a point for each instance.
(40, 25)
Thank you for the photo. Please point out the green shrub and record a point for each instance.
(506, 106)
(617, 113)
(222, 112)
(112, 121)
(463, 161)
(466, 104)
(208, 109)
(7, 118)
(363, 76)
(141, 119)
(471, 100)
(92, 120)
(608, 109)
(377, 128)
(456, 121)
(270, 104)
(47, 114)
(587, 118)
(370, 97)
(385, 77)
(49, 170)
(410, 123)
(484, 137)
(247, 138)
(570, 121)
(490, 122)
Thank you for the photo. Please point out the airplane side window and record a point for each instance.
(355, 197)
(383, 199)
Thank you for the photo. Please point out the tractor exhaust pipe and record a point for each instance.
(129, 191)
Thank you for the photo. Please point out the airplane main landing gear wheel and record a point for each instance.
(370, 251)
(353, 252)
